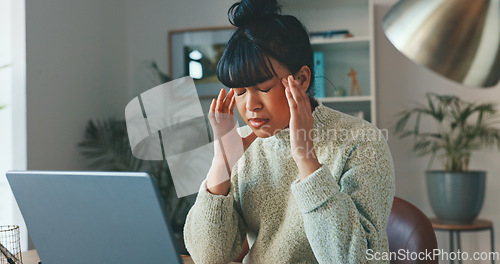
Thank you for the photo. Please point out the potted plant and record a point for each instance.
(456, 193)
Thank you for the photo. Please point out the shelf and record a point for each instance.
(319, 41)
(299, 4)
(345, 99)
(337, 56)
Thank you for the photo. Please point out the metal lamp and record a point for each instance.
(458, 39)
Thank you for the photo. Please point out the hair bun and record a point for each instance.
(241, 13)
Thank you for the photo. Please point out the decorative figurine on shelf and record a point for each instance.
(354, 83)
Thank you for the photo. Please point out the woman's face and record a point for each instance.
(264, 107)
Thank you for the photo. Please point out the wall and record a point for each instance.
(76, 71)
(148, 23)
(401, 82)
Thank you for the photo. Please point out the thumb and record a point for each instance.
(247, 141)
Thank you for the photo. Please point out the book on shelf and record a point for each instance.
(344, 33)
(319, 74)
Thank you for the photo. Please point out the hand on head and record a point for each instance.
(301, 126)
(221, 116)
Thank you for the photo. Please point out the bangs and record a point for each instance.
(243, 64)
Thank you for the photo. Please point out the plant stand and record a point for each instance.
(477, 225)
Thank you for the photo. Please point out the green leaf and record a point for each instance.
(401, 123)
(417, 123)
(461, 128)
(429, 102)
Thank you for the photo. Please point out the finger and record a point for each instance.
(301, 88)
(227, 101)
(212, 106)
(232, 104)
(291, 101)
(284, 81)
(218, 108)
(248, 140)
(220, 100)
(211, 112)
(293, 89)
(301, 92)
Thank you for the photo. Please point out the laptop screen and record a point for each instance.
(94, 217)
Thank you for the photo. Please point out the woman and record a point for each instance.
(307, 184)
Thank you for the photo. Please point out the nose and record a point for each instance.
(253, 102)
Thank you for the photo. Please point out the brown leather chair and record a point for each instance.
(410, 230)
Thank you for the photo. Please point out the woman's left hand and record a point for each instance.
(301, 127)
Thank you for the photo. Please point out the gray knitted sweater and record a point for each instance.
(332, 216)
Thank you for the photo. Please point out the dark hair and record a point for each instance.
(262, 32)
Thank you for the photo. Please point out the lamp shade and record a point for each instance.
(458, 39)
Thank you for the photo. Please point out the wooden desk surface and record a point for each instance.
(31, 257)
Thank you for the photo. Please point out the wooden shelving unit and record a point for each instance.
(342, 54)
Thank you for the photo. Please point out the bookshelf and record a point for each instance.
(333, 99)
(342, 54)
(352, 40)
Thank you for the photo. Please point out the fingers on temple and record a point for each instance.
(284, 81)
(232, 103)
(220, 101)
(291, 101)
(289, 97)
(227, 101)
(294, 90)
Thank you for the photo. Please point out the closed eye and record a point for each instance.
(265, 91)
(239, 94)
(244, 90)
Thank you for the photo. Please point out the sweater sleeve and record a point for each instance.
(214, 231)
(346, 213)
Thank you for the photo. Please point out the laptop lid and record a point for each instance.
(94, 217)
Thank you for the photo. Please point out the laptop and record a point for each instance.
(94, 217)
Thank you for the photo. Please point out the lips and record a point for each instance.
(257, 122)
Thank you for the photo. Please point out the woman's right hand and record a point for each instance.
(229, 145)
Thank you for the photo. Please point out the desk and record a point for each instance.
(31, 257)
(477, 225)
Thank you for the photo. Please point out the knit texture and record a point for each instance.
(332, 216)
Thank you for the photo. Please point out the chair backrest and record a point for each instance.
(410, 230)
